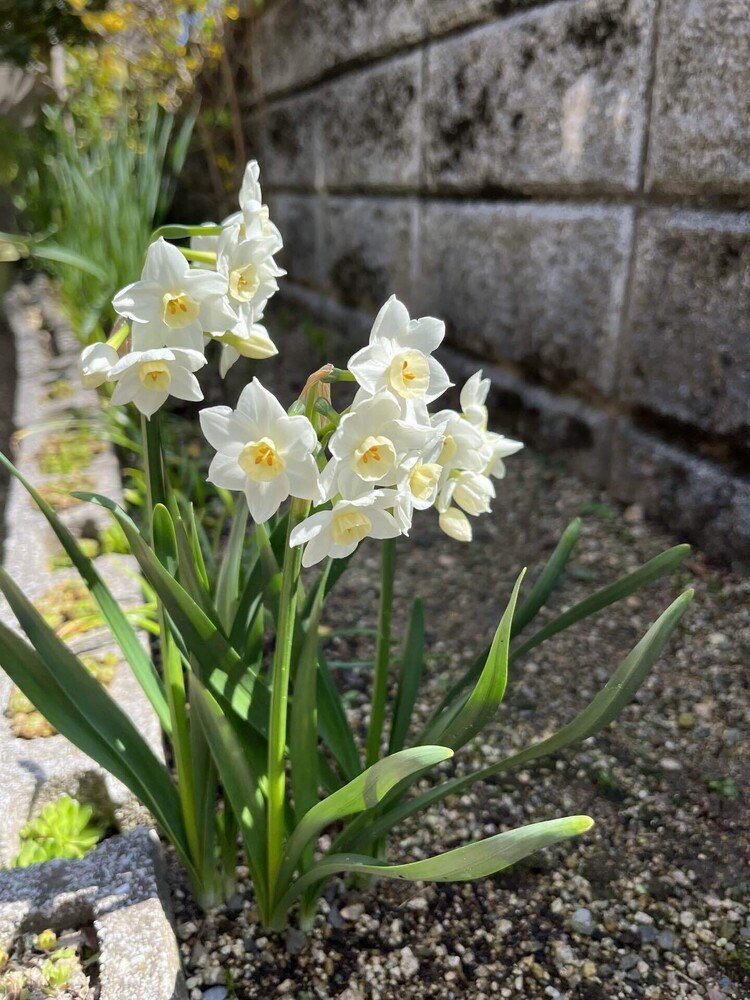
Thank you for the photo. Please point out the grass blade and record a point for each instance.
(410, 674)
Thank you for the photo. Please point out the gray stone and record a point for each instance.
(216, 993)
(687, 353)
(695, 497)
(33, 772)
(583, 922)
(368, 251)
(551, 99)
(319, 35)
(291, 130)
(370, 127)
(299, 220)
(700, 124)
(447, 15)
(120, 884)
(538, 285)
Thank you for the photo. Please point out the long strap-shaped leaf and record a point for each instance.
(606, 706)
(476, 860)
(332, 722)
(409, 676)
(77, 705)
(122, 631)
(474, 714)
(239, 780)
(548, 579)
(661, 565)
(228, 580)
(364, 792)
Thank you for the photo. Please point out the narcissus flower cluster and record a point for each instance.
(362, 472)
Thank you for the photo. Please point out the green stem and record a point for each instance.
(382, 651)
(280, 696)
(201, 256)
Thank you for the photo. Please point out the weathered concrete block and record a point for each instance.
(298, 219)
(368, 250)
(556, 425)
(370, 127)
(692, 495)
(538, 285)
(297, 41)
(552, 98)
(700, 123)
(121, 886)
(291, 142)
(447, 15)
(687, 351)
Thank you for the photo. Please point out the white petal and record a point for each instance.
(369, 366)
(384, 525)
(264, 499)
(392, 319)
(318, 549)
(126, 387)
(439, 380)
(425, 334)
(185, 385)
(140, 301)
(165, 265)
(228, 357)
(188, 338)
(295, 436)
(149, 401)
(260, 406)
(217, 426)
(310, 528)
(225, 472)
(304, 479)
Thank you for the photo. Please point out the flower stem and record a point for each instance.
(280, 696)
(201, 256)
(382, 651)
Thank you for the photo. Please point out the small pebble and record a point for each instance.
(582, 922)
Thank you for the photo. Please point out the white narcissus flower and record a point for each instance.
(471, 491)
(96, 363)
(173, 305)
(147, 378)
(474, 409)
(462, 445)
(246, 340)
(399, 356)
(455, 524)
(372, 445)
(337, 532)
(249, 272)
(262, 451)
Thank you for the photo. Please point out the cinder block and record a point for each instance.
(540, 285)
(291, 142)
(368, 250)
(447, 15)
(552, 98)
(298, 219)
(687, 351)
(298, 41)
(700, 127)
(370, 127)
(694, 496)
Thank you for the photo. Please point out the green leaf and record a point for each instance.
(410, 674)
(176, 232)
(363, 792)
(240, 780)
(666, 562)
(332, 722)
(61, 255)
(303, 728)
(547, 579)
(478, 859)
(479, 708)
(77, 706)
(228, 582)
(606, 706)
(122, 631)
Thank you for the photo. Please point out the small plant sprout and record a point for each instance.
(260, 741)
(63, 829)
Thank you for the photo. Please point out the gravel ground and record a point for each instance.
(653, 901)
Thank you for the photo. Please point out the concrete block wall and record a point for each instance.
(566, 183)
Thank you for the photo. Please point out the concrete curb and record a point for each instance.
(120, 887)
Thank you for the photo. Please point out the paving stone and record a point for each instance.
(538, 285)
(552, 98)
(687, 354)
(700, 123)
(120, 884)
(36, 771)
(298, 219)
(370, 127)
(695, 497)
(318, 35)
(368, 250)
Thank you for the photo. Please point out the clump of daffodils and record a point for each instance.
(364, 470)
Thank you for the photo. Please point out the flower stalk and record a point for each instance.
(382, 650)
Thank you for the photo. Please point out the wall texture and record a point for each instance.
(567, 184)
